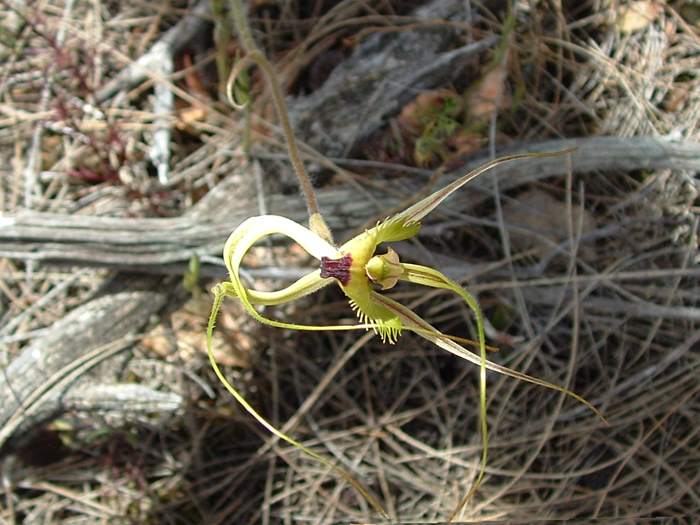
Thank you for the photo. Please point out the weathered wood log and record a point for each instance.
(32, 386)
(48, 376)
(141, 243)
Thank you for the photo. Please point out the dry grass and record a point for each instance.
(611, 311)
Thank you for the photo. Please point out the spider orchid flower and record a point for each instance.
(360, 271)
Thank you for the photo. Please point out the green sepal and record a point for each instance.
(226, 289)
(415, 213)
(430, 277)
(395, 229)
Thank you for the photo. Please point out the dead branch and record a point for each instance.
(33, 385)
(130, 243)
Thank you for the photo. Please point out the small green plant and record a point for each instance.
(190, 278)
(439, 123)
(361, 273)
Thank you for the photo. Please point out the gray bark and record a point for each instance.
(32, 387)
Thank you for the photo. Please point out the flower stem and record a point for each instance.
(253, 53)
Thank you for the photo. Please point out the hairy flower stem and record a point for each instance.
(222, 37)
(254, 54)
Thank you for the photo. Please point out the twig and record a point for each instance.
(163, 106)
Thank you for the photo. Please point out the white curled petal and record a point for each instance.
(252, 230)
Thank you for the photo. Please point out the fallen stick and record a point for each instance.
(152, 243)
